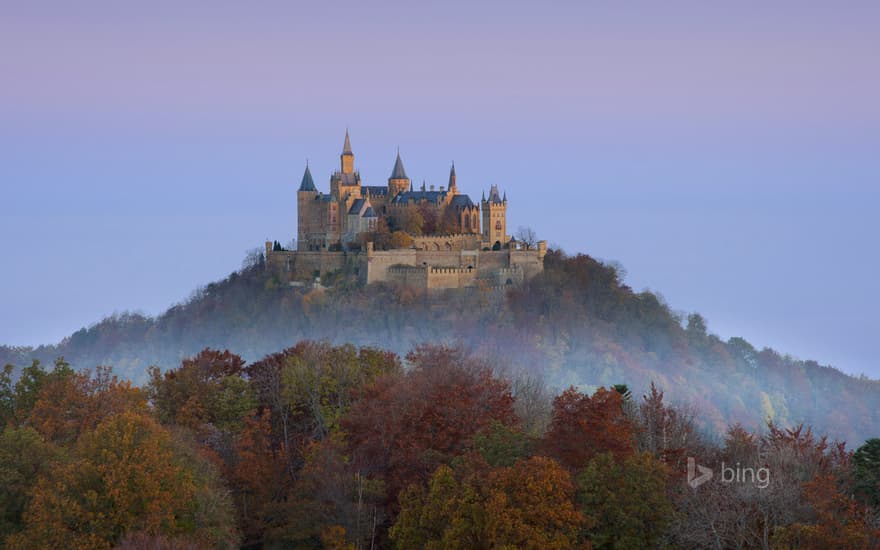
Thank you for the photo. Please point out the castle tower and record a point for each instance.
(347, 157)
(398, 182)
(453, 189)
(305, 198)
(495, 218)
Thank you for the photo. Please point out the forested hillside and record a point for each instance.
(576, 324)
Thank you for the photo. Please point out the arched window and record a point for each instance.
(498, 225)
(467, 222)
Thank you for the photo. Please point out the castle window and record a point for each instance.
(498, 225)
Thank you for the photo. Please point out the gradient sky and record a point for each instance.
(727, 155)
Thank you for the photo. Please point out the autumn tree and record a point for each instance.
(332, 500)
(627, 500)
(664, 431)
(583, 426)
(68, 405)
(259, 478)
(401, 428)
(839, 521)
(125, 477)
(205, 391)
(526, 505)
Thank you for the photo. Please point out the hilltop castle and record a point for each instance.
(428, 238)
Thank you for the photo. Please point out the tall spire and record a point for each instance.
(398, 173)
(346, 147)
(452, 186)
(347, 157)
(307, 184)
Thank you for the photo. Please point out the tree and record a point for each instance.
(840, 522)
(583, 426)
(527, 505)
(125, 477)
(259, 478)
(866, 460)
(401, 428)
(399, 239)
(527, 237)
(627, 500)
(24, 457)
(206, 390)
(70, 404)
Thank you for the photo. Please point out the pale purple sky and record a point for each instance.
(727, 156)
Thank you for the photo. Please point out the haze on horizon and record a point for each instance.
(727, 156)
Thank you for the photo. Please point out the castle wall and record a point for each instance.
(450, 277)
(304, 264)
(379, 261)
(424, 269)
(440, 243)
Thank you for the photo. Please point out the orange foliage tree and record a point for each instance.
(527, 505)
(125, 477)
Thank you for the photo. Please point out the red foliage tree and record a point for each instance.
(402, 428)
(584, 426)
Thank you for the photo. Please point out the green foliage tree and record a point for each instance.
(627, 500)
(866, 460)
(24, 456)
(206, 390)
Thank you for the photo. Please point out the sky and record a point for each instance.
(726, 154)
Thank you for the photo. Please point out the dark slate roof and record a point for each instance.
(326, 198)
(308, 184)
(462, 201)
(346, 147)
(416, 196)
(369, 213)
(375, 190)
(494, 196)
(356, 206)
(398, 173)
(348, 179)
(452, 175)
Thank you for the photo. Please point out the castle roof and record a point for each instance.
(357, 206)
(398, 173)
(346, 147)
(308, 184)
(347, 178)
(375, 190)
(369, 213)
(417, 196)
(462, 201)
(495, 196)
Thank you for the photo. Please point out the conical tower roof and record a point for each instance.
(308, 184)
(398, 173)
(346, 147)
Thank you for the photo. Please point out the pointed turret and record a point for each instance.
(398, 173)
(399, 182)
(346, 147)
(347, 157)
(453, 189)
(307, 184)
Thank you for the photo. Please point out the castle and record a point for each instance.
(427, 238)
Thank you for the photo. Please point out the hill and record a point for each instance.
(576, 324)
